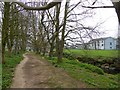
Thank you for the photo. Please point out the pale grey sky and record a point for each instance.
(110, 26)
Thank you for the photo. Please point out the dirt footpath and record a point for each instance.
(34, 72)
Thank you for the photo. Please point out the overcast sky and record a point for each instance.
(110, 26)
(108, 16)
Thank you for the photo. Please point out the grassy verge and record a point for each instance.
(90, 74)
(93, 53)
(0, 76)
(9, 67)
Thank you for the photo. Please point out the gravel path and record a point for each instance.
(35, 72)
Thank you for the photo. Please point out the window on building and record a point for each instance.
(92, 44)
(110, 47)
(98, 44)
(102, 44)
(110, 43)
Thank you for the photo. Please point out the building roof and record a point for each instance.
(97, 39)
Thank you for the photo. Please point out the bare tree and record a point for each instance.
(5, 28)
(46, 7)
(47, 29)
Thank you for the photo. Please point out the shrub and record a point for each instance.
(86, 66)
(69, 56)
(92, 68)
(89, 60)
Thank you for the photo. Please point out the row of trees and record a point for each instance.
(14, 28)
(42, 29)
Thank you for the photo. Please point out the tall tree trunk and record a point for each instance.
(52, 46)
(9, 51)
(117, 7)
(57, 32)
(61, 45)
(51, 50)
(5, 28)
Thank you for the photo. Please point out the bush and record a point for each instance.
(92, 68)
(69, 56)
(88, 60)
(98, 70)
(86, 66)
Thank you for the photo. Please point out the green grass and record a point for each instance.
(94, 53)
(0, 75)
(9, 67)
(89, 74)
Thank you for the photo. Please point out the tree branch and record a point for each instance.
(48, 6)
(98, 7)
(94, 2)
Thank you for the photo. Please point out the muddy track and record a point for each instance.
(34, 72)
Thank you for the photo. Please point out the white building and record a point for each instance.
(107, 43)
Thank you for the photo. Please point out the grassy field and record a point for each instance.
(93, 76)
(0, 76)
(89, 74)
(94, 53)
(8, 68)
